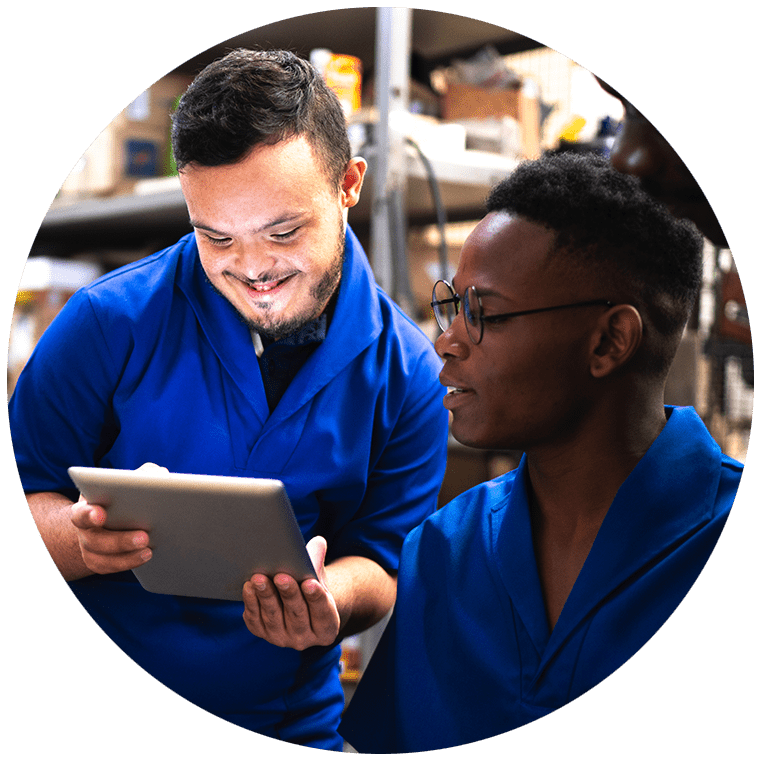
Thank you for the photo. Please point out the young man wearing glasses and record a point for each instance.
(558, 330)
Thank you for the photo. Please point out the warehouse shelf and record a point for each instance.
(157, 205)
(435, 38)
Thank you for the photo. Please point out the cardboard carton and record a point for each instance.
(465, 101)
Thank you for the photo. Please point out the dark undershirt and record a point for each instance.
(282, 359)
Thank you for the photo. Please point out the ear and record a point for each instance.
(619, 334)
(353, 179)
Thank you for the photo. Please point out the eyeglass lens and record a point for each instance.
(445, 305)
(472, 313)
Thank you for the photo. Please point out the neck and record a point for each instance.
(576, 481)
(571, 487)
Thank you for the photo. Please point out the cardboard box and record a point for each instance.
(465, 101)
(423, 253)
(155, 106)
(120, 156)
(495, 134)
(134, 146)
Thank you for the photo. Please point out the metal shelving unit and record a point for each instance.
(394, 44)
(160, 204)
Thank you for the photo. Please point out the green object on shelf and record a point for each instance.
(170, 169)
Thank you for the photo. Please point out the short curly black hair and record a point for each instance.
(259, 97)
(606, 225)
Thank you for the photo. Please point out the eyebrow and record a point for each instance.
(483, 292)
(285, 219)
(206, 228)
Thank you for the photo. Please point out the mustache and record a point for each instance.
(264, 279)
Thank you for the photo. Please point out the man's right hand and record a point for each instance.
(107, 551)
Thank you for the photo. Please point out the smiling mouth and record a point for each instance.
(264, 287)
(267, 287)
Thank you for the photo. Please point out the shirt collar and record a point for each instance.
(670, 492)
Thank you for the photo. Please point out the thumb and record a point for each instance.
(85, 515)
(317, 549)
(152, 466)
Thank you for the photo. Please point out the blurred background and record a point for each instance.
(442, 107)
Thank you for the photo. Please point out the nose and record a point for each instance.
(638, 149)
(256, 261)
(454, 343)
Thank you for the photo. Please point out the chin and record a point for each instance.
(493, 440)
(473, 439)
(276, 330)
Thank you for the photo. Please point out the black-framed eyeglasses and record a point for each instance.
(446, 302)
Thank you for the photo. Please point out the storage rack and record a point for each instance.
(393, 44)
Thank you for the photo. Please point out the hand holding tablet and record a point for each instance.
(208, 535)
(291, 614)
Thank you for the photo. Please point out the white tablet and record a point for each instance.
(209, 534)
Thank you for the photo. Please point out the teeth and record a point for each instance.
(452, 389)
(265, 287)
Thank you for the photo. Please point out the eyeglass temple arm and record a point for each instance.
(454, 300)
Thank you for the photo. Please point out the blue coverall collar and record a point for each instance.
(665, 493)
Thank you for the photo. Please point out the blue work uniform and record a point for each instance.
(468, 653)
(151, 364)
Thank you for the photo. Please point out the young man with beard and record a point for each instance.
(259, 345)
(558, 331)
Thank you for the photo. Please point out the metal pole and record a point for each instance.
(392, 51)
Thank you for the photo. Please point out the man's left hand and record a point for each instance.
(289, 614)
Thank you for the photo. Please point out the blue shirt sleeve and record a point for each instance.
(60, 410)
(407, 472)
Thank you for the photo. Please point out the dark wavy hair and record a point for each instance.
(255, 97)
(609, 230)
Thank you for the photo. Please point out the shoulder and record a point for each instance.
(454, 546)
(369, 326)
(402, 343)
(403, 324)
(687, 448)
(117, 310)
(730, 466)
(129, 287)
(133, 300)
(704, 452)
(467, 513)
